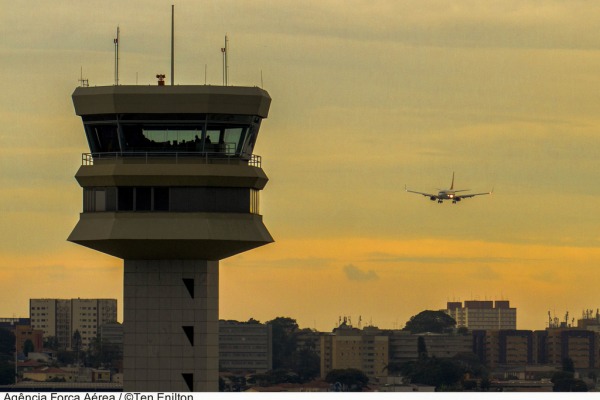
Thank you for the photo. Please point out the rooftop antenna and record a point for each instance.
(83, 82)
(116, 41)
(172, 44)
(225, 65)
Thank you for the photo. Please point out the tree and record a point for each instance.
(306, 363)
(441, 373)
(28, 347)
(51, 343)
(7, 356)
(351, 379)
(102, 354)
(463, 330)
(283, 331)
(7, 343)
(76, 343)
(7, 373)
(568, 365)
(421, 347)
(430, 321)
(564, 381)
(485, 384)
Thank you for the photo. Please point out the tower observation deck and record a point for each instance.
(171, 185)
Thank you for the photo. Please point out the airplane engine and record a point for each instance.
(433, 198)
(457, 199)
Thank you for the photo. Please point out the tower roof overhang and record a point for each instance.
(180, 99)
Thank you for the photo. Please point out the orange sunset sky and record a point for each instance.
(368, 96)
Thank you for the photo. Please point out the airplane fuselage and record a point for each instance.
(449, 194)
(446, 195)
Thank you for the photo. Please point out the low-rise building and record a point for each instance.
(404, 346)
(245, 347)
(366, 350)
(24, 333)
(48, 374)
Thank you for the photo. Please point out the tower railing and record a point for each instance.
(169, 158)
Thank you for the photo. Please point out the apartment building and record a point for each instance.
(347, 347)
(508, 347)
(579, 345)
(61, 318)
(484, 315)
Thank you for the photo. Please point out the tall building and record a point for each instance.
(61, 318)
(171, 186)
(484, 315)
(346, 347)
(245, 347)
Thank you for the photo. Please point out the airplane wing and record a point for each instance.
(421, 193)
(467, 196)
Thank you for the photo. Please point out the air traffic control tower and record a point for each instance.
(171, 186)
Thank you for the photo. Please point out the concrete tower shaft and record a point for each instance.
(171, 185)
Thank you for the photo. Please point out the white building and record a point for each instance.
(61, 318)
(485, 314)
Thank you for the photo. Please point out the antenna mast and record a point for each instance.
(116, 41)
(83, 82)
(225, 65)
(172, 44)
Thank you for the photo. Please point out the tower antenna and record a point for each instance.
(116, 42)
(225, 64)
(83, 82)
(172, 44)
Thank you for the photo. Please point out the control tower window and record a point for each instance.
(212, 134)
(125, 198)
(161, 199)
(171, 199)
(103, 138)
(138, 138)
(143, 200)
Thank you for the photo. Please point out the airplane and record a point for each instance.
(449, 194)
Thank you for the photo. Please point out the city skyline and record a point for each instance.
(367, 98)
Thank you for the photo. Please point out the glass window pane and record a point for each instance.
(100, 199)
(161, 199)
(111, 199)
(233, 138)
(142, 199)
(125, 195)
(103, 138)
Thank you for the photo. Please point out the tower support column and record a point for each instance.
(171, 325)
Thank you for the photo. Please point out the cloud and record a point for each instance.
(486, 273)
(382, 257)
(354, 273)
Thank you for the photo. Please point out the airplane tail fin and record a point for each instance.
(452, 185)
